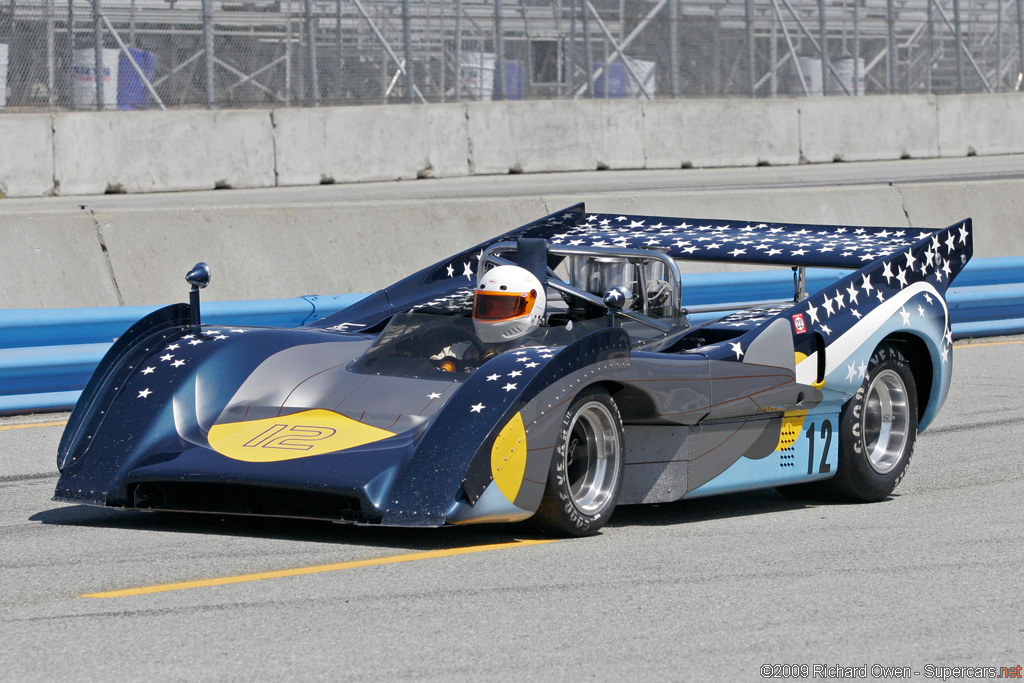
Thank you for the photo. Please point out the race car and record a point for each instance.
(549, 374)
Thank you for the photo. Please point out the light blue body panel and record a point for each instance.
(811, 457)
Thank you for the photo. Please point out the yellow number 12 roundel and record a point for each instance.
(299, 435)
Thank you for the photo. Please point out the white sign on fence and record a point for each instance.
(83, 66)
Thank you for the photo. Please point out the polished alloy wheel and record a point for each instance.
(592, 457)
(885, 421)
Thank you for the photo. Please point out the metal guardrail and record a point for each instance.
(48, 355)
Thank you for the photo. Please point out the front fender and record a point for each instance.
(451, 477)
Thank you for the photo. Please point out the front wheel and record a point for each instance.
(586, 469)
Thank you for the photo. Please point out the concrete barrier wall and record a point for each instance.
(869, 128)
(355, 144)
(704, 133)
(26, 155)
(95, 152)
(139, 257)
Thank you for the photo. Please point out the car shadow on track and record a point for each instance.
(745, 504)
(302, 530)
(752, 503)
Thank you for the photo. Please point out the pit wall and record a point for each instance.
(80, 153)
(80, 257)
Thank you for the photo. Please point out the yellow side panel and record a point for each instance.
(792, 423)
(299, 435)
(508, 458)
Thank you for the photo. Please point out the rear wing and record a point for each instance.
(750, 242)
(898, 255)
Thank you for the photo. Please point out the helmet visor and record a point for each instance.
(496, 306)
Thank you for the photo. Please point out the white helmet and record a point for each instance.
(508, 303)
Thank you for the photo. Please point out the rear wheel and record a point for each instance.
(587, 467)
(878, 428)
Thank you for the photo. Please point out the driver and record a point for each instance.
(508, 303)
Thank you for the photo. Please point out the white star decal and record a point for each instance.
(167, 357)
(477, 408)
(928, 298)
(856, 313)
(866, 284)
(451, 270)
(189, 336)
(827, 303)
(825, 329)
(910, 260)
(467, 270)
(905, 315)
(887, 272)
(963, 234)
(491, 378)
(148, 371)
(509, 387)
(737, 252)
(737, 348)
(902, 277)
(851, 371)
(172, 347)
(178, 363)
(813, 312)
(950, 243)
(531, 365)
(515, 373)
(144, 393)
(196, 342)
(433, 395)
(920, 309)
(853, 294)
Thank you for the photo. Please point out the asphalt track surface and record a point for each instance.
(708, 589)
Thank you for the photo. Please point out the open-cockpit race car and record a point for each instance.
(548, 374)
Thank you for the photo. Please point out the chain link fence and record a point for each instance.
(258, 53)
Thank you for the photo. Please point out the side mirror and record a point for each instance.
(199, 278)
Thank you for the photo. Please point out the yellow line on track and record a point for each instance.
(30, 425)
(999, 343)
(318, 569)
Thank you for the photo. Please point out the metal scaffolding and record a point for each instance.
(139, 54)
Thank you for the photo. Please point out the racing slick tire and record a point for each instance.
(587, 468)
(877, 431)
